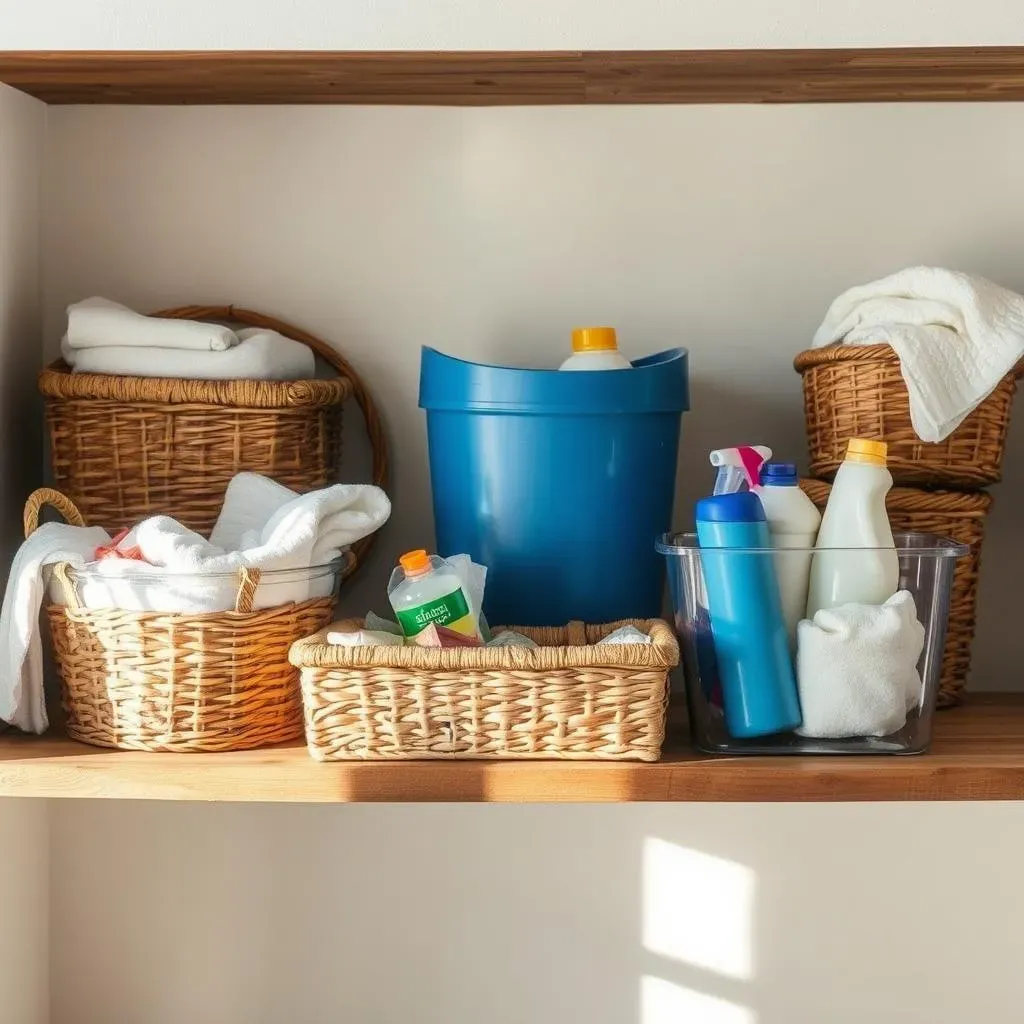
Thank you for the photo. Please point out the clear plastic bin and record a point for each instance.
(926, 571)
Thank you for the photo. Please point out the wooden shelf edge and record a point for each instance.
(978, 755)
(466, 78)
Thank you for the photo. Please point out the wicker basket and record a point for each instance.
(956, 514)
(172, 682)
(564, 700)
(858, 391)
(123, 448)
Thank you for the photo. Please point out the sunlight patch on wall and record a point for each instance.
(698, 909)
(661, 1002)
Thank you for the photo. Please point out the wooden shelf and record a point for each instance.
(978, 754)
(520, 77)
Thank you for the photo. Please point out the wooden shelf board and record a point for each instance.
(466, 78)
(978, 754)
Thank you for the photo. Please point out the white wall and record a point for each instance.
(491, 233)
(501, 24)
(702, 914)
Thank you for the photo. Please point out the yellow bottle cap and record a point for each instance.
(858, 449)
(594, 339)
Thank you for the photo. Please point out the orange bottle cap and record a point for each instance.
(415, 562)
(594, 339)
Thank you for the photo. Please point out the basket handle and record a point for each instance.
(48, 496)
(371, 416)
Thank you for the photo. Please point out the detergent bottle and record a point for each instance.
(595, 348)
(793, 523)
(855, 519)
(755, 670)
(425, 590)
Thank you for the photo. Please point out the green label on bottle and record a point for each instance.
(451, 611)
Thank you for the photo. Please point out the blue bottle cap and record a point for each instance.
(778, 474)
(740, 507)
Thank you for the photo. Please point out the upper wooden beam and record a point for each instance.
(515, 78)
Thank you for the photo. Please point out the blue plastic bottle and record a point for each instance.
(751, 646)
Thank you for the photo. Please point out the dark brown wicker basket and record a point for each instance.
(123, 448)
(961, 516)
(858, 391)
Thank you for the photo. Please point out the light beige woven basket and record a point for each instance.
(175, 682)
(572, 698)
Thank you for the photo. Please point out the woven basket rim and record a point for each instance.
(916, 499)
(812, 357)
(662, 653)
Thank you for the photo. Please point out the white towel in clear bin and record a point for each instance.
(857, 668)
(956, 337)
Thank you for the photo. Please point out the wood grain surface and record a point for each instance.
(978, 755)
(521, 77)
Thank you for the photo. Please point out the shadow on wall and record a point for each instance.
(632, 914)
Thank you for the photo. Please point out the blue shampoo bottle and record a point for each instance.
(751, 646)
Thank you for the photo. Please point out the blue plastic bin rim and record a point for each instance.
(656, 384)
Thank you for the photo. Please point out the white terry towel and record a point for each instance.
(259, 355)
(100, 323)
(22, 701)
(956, 337)
(856, 668)
(249, 502)
(310, 529)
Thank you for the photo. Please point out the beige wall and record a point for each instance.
(24, 826)
(500, 24)
(491, 233)
(701, 914)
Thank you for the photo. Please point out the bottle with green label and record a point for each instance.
(425, 589)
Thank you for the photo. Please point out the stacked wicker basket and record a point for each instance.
(858, 391)
(123, 448)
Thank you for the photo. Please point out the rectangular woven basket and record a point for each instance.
(571, 698)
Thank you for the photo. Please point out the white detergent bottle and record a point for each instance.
(426, 590)
(793, 522)
(595, 348)
(855, 517)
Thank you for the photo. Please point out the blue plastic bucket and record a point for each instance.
(558, 482)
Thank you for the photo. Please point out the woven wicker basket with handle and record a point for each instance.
(571, 698)
(176, 682)
(858, 391)
(123, 448)
(957, 514)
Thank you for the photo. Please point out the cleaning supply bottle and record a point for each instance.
(855, 518)
(755, 670)
(426, 590)
(793, 522)
(595, 348)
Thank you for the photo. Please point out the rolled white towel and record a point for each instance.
(100, 323)
(856, 668)
(259, 355)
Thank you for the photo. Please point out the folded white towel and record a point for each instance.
(259, 355)
(100, 323)
(22, 701)
(856, 668)
(956, 337)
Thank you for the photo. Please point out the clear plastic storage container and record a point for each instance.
(926, 571)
